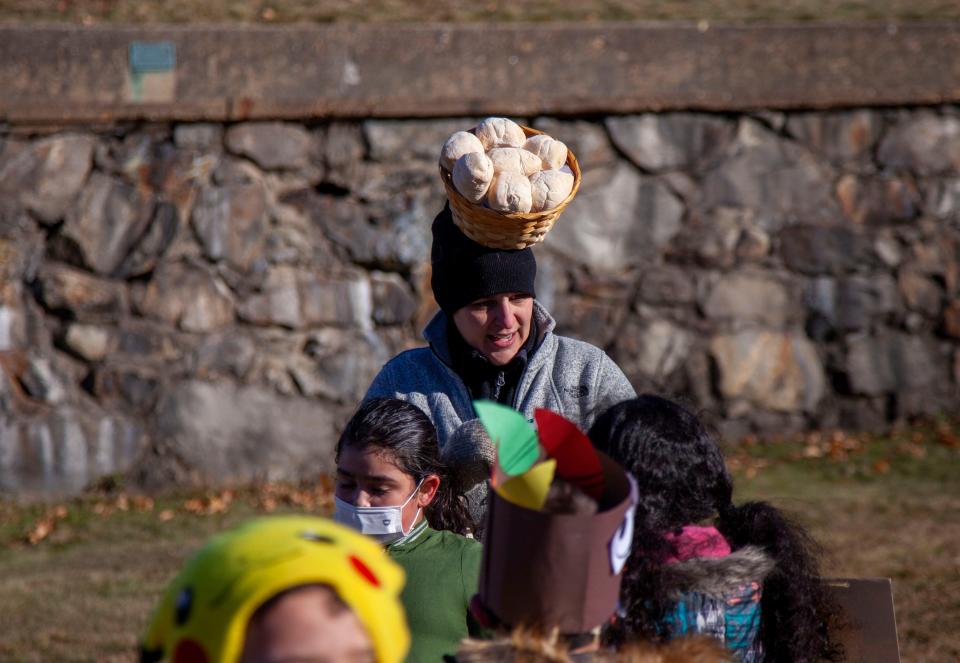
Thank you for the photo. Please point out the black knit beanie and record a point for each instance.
(465, 271)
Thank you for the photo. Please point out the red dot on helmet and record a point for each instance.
(365, 571)
(189, 651)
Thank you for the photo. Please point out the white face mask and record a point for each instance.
(384, 523)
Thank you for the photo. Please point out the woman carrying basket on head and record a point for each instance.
(492, 340)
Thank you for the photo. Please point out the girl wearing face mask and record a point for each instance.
(391, 485)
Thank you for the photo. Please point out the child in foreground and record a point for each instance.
(748, 576)
(392, 486)
(282, 588)
(555, 550)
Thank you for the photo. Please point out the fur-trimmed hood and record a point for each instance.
(719, 576)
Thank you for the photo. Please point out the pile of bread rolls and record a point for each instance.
(497, 166)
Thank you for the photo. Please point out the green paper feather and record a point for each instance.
(514, 437)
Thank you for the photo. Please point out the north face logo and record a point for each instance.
(577, 391)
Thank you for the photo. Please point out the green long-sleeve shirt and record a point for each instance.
(442, 570)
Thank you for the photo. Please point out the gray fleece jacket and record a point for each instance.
(571, 377)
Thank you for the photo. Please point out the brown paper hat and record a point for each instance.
(546, 570)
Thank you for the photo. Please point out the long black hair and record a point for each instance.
(409, 438)
(683, 479)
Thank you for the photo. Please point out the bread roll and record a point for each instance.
(472, 174)
(514, 160)
(552, 152)
(500, 132)
(549, 188)
(458, 144)
(510, 192)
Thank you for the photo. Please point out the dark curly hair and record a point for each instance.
(409, 437)
(683, 479)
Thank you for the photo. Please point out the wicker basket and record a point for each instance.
(502, 230)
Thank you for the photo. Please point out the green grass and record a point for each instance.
(417, 11)
(887, 507)
(84, 592)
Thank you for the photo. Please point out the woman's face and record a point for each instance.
(368, 477)
(497, 326)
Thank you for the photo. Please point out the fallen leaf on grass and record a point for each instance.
(210, 504)
(948, 438)
(40, 531)
(325, 484)
(142, 503)
(912, 450)
(46, 524)
(123, 503)
(837, 453)
(268, 496)
(812, 451)
(814, 438)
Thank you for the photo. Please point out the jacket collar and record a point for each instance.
(420, 533)
(717, 576)
(435, 333)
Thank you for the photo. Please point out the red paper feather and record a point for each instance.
(577, 461)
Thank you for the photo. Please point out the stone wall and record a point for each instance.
(207, 302)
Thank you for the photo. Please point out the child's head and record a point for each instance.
(519, 646)
(279, 588)
(303, 623)
(679, 469)
(389, 471)
(682, 479)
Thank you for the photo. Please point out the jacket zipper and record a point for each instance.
(501, 380)
(516, 394)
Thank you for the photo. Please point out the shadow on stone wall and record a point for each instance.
(200, 302)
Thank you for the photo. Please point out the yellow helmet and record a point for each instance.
(203, 615)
